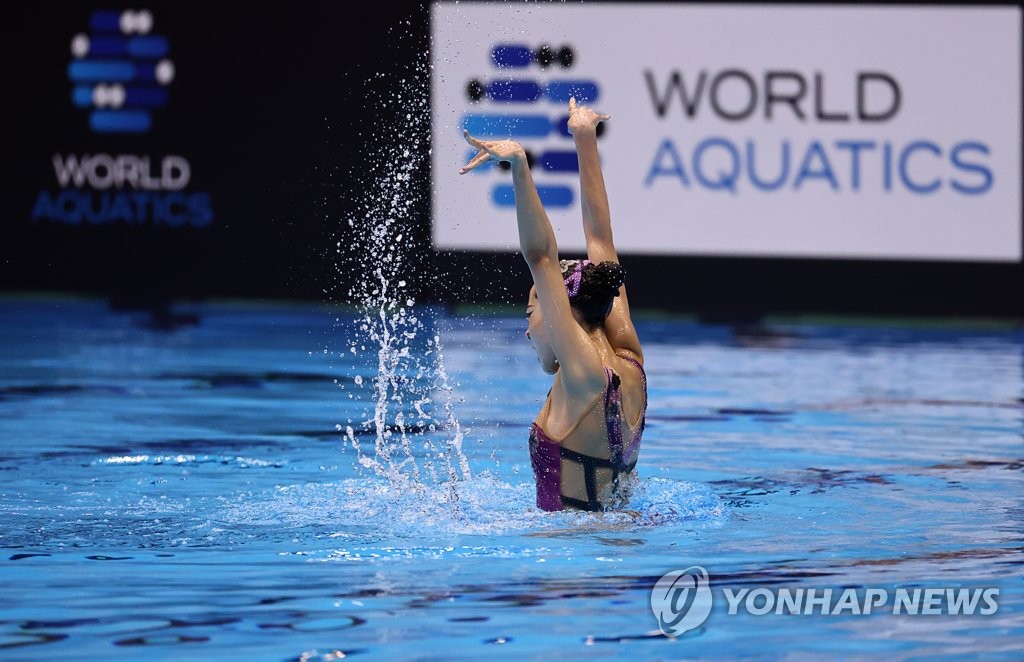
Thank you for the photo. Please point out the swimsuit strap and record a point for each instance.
(613, 414)
(623, 450)
(590, 465)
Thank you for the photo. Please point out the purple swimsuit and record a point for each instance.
(546, 455)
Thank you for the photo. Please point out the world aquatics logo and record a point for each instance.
(120, 72)
(511, 102)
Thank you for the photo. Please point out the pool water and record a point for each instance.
(192, 490)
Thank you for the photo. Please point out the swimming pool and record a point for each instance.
(194, 492)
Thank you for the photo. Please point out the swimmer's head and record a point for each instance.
(592, 288)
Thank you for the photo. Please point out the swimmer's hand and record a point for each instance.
(582, 118)
(492, 150)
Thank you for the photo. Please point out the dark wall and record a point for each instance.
(742, 290)
(282, 111)
(272, 105)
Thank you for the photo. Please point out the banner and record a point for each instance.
(863, 132)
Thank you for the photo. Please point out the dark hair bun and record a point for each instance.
(604, 279)
(598, 285)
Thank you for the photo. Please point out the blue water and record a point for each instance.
(191, 492)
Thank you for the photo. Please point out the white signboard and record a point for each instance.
(889, 132)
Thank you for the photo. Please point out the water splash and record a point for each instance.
(417, 438)
(365, 511)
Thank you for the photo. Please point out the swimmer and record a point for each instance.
(585, 441)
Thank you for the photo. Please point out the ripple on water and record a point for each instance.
(484, 505)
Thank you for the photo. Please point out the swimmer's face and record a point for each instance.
(538, 336)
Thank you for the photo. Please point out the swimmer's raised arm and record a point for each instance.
(597, 225)
(540, 250)
(536, 238)
(597, 221)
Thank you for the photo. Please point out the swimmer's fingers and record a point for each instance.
(574, 107)
(497, 150)
(582, 117)
(483, 145)
(481, 157)
(471, 140)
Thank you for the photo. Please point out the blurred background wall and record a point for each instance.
(188, 151)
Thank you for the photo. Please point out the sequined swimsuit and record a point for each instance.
(546, 455)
